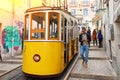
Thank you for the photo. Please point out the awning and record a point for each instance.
(117, 15)
(97, 17)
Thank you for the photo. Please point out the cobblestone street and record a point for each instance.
(99, 67)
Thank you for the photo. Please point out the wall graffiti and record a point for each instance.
(19, 24)
(11, 38)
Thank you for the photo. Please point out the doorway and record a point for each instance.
(110, 50)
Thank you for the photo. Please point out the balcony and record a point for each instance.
(73, 4)
(116, 5)
(116, 8)
(85, 2)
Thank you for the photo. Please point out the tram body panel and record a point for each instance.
(51, 54)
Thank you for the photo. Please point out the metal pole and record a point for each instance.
(13, 12)
(57, 3)
(12, 52)
(60, 3)
(29, 3)
(64, 4)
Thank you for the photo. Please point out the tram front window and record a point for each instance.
(26, 26)
(53, 25)
(38, 26)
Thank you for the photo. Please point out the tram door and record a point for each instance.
(65, 42)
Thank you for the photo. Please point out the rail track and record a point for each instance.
(65, 76)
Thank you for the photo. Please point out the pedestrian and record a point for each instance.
(100, 38)
(89, 33)
(94, 37)
(0, 54)
(84, 39)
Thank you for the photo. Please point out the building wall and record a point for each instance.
(116, 42)
(53, 3)
(11, 16)
(116, 49)
(12, 12)
(108, 34)
(113, 54)
(5, 18)
(79, 6)
(5, 12)
(112, 46)
(116, 4)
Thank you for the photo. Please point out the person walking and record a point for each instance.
(100, 38)
(94, 37)
(89, 33)
(84, 39)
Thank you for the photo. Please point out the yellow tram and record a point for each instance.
(50, 41)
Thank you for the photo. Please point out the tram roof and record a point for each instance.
(41, 8)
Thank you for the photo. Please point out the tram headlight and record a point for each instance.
(36, 58)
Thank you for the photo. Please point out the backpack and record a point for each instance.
(100, 36)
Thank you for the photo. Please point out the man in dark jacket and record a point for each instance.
(84, 39)
(89, 33)
(100, 38)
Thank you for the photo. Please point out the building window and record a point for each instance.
(85, 12)
(73, 12)
(73, 1)
(85, 1)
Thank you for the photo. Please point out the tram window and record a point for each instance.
(38, 21)
(71, 23)
(71, 33)
(62, 27)
(53, 25)
(65, 22)
(38, 26)
(26, 26)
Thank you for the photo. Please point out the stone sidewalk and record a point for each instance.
(8, 65)
(99, 67)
